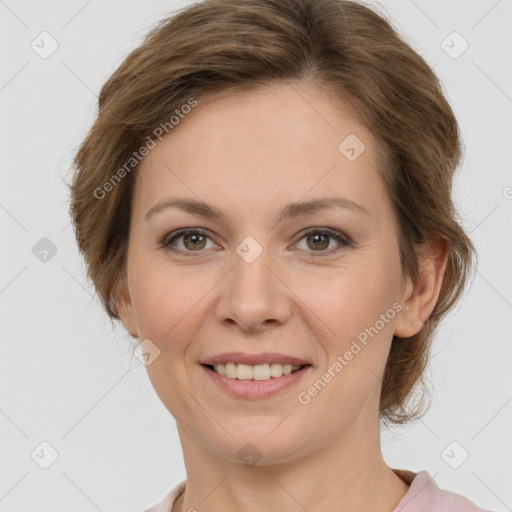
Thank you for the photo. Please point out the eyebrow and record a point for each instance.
(291, 210)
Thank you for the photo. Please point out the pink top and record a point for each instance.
(423, 496)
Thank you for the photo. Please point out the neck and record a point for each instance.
(346, 474)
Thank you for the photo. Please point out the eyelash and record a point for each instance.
(343, 240)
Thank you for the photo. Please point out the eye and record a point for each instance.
(195, 240)
(319, 239)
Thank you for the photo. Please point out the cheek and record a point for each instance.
(170, 309)
(354, 299)
(168, 304)
(358, 308)
(358, 311)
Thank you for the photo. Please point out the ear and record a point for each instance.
(420, 298)
(125, 306)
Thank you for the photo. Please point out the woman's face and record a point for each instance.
(266, 277)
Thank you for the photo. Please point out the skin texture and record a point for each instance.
(248, 155)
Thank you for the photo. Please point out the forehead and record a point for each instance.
(285, 139)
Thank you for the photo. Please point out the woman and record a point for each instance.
(264, 202)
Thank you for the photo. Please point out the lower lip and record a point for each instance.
(256, 389)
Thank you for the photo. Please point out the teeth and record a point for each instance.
(256, 372)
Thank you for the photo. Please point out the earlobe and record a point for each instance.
(420, 298)
(125, 309)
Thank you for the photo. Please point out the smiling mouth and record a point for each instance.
(265, 371)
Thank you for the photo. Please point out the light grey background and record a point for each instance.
(69, 380)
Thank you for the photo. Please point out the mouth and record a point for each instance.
(261, 372)
(257, 381)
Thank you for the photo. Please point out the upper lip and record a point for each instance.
(252, 359)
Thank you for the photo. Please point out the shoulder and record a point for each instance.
(425, 495)
(169, 499)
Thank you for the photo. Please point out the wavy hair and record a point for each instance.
(345, 47)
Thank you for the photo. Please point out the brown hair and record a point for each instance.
(221, 46)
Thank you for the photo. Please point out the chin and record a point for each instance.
(261, 440)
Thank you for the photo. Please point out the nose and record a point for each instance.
(253, 295)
